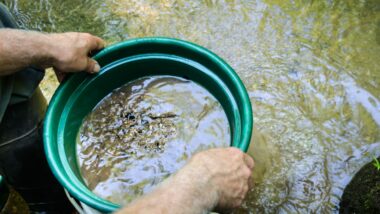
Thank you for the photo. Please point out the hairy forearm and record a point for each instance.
(184, 193)
(213, 179)
(65, 52)
(20, 49)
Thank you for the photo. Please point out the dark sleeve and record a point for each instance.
(6, 86)
(6, 82)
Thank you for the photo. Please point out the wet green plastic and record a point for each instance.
(125, 62)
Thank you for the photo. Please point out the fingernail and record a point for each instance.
(96, 68)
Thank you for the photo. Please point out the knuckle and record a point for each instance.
(241, 155)
(66, 58)
(83, 40)
(247, 173)
(90, 66)
(234, 150)
(86, 35)
(236, 154)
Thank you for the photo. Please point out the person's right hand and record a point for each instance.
(224, 172)
(216, 179)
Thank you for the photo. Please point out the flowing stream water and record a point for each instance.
(312, 69)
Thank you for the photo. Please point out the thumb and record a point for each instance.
(92, 66)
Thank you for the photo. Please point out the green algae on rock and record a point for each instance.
(362, 194)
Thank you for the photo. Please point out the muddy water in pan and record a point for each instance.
(144, 131)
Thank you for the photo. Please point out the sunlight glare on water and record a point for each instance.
(311, 69)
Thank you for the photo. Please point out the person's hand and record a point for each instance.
(224, 174)
(216, 178)
(71, 52)
(229, 173)
(65, 52)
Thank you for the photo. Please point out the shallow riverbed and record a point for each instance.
(311, 68)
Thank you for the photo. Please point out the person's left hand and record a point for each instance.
(71, 53)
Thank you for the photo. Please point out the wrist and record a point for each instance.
(47, 51)
(194, 189)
